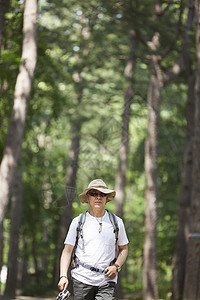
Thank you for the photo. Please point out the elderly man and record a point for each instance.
(98, 245)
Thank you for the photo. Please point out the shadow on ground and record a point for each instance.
(126, 297)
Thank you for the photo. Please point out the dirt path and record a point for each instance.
(127, 297)
(37, 298)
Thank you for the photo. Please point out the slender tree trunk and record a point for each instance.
(179, 259)
(16, 212)
(123, 151)
(23, 276)
(192, 276)
(70, 190)
(44, 259)
(1, 248)
(150, 290)
(73, 158)
(21, 98)
(71, 173)
(2, 18)
(35, 257)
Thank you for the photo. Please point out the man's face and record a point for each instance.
(96, 199)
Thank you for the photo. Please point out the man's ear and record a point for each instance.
(87, 197)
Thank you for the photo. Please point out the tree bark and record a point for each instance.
(123, 151)
(73, 158)
(16, 212)
(180, 254)
(192, 276)
(70, 191)
(71, 173)
(21, 98)
(2, 18)
(23, 277)
(150, 285)
(179, 259)
(1, 248)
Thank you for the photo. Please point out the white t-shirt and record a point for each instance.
(95, 249)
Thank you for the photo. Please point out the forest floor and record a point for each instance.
(131, 296)
(126, 297)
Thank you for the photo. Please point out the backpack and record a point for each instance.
(79, 229)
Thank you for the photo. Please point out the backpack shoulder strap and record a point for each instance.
(79, 229)
(114, 223)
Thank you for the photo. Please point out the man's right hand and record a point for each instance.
(63, 283)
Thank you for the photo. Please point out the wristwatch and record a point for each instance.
(118, 267)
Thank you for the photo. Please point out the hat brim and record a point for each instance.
(110, 194)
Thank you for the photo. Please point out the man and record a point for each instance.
(96, 264)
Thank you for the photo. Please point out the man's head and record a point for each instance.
(97, 188)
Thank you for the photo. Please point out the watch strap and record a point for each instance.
(117, 266)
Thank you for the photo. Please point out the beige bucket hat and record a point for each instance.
(97, 184)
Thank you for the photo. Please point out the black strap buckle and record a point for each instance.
(94, 269)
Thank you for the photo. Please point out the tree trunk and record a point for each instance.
(2, 18)
(16, 212)
(192, 276)
(23, 277)
(21, 98)
(1, 249)
(73, 158)
(70, 191)
(123, 151)
(71, 173)
(179, 259)
(35, 257)
(150, 284)
(44, 259)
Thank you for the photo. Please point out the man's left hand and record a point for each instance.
(111, 272)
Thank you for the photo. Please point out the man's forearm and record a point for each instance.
(65, 260)
(64, 266)
(123, 253)
(111, 271)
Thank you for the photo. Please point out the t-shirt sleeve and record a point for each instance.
(122, 237)
(71, 235)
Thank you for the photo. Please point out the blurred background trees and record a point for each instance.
(114, 96)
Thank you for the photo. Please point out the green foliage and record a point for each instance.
(9, 64)
(82, 51)
(41, 289)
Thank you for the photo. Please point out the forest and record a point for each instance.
(100, 89)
